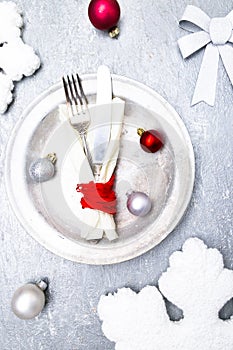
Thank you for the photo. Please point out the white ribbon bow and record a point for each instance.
(217, 35)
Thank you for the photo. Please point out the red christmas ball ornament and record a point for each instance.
(151, 140)
(104, 15)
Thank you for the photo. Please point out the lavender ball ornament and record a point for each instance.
(138, 203)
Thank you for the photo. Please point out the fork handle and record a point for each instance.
(86, 150)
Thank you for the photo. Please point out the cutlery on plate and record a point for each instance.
(102, 131)
(77, 105)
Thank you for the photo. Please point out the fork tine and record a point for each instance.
(81, 89)
(76, 90)
(72, 92)
(68, 101)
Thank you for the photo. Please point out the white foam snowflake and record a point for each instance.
(10, 21)
(196, 282)
(16, 58)
(6, 86)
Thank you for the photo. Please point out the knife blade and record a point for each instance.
(102, 117)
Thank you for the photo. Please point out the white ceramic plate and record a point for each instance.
(167, 176)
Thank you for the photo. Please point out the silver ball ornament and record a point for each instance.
(43, 168)
(138, 203)
(28, 301)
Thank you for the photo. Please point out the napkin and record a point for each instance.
(75, 169)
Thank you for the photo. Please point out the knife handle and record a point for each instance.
(96, 171)
(104, 86)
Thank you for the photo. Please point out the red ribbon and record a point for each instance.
(99, 196)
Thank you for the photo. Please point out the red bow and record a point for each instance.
(99, 196)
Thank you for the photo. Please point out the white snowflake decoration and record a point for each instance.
(6, 86)
(16, 58)
(197, 283)
(10, 21)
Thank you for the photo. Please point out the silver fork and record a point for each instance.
(79, 115)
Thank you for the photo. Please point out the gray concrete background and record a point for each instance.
(146, 51)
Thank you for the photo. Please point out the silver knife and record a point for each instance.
(102, 132)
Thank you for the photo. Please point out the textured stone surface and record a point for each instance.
(146, 51)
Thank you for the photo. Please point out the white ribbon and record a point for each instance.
(217, 35)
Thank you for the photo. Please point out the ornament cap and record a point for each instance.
(140, 131)
(114, 32)
(52, 157)
(42, 284)
(129, 192)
